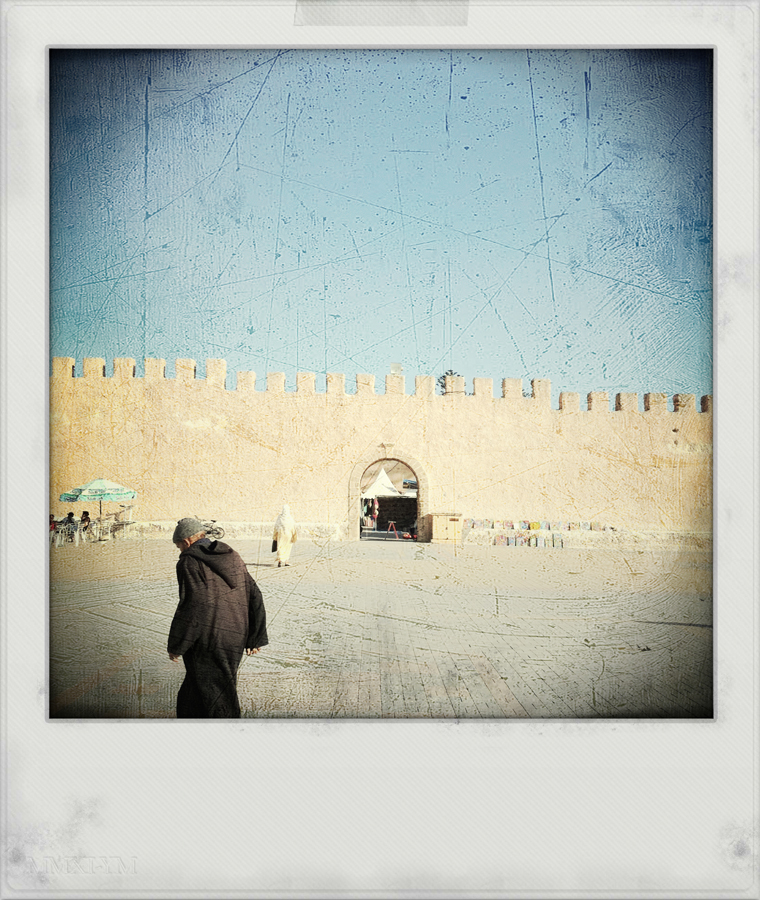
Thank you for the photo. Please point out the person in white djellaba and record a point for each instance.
(284, 536)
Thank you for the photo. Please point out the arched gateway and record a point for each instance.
(354, 486)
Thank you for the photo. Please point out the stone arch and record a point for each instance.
(361, 466)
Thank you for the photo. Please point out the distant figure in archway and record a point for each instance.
(284, 536)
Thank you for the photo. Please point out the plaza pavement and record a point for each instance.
(397, 629)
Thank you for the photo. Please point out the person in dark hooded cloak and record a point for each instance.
(220, 615)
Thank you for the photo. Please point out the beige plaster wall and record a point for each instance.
(190, 446)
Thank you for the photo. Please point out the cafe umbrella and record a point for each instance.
(99, 490)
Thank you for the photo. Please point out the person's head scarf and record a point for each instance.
(285, 520)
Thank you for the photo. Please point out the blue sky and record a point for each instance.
(504, 213)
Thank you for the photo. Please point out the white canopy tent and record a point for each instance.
(382, 486)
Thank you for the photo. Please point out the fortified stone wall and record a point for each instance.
(191, 446)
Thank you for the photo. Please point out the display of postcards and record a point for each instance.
(557, 541)
(596, 526)
(541, 542)
(585, 526)
(524, 525)
(546, 526)
(487, 523)
(520, 540)
(509, 525)
(467, 523)
(573, 526)
(511, 541)
(535, 526)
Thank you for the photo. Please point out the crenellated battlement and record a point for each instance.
(512, 389)
(236, 446)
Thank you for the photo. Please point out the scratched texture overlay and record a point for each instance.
(507, 213)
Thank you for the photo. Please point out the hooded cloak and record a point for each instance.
(220, 614)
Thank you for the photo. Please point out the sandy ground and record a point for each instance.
(608, 627)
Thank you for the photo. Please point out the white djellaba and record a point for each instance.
(285, 535)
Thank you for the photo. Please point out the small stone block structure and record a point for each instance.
(598, 401)
(443, 528)
(569, 401)
(394, 384)
(94, 368)
(511, 389)
(216, 372)
(655, 402)
(626, 402)
(306, 382)
(684, 402)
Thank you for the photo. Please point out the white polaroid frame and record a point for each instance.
(396, 808)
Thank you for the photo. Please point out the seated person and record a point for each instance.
(84, 522)
(69, 525)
